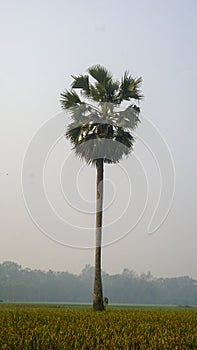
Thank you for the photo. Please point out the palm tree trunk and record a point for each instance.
(98, 291)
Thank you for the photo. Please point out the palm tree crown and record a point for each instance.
(98, 128)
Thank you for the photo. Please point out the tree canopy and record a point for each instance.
(99, 128)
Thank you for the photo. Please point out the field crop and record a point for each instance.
(59, 328)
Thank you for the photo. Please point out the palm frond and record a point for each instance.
(95, 93)
(124, 137)
(69, 99)
(134, 89)
(74, 133)
(81, 82)
(100, 74)
(112, 89)
(129, 88)
(129, 118)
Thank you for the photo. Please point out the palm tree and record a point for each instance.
(101, 133)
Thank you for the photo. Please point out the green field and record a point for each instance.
(56, 326)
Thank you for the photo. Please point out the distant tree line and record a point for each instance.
(23, 284)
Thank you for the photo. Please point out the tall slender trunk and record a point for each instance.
(98, 290)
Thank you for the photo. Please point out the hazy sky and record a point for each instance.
(42, 44)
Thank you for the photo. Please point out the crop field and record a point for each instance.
(45, 327)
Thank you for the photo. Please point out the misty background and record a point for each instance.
(18, 284)
(42, 45)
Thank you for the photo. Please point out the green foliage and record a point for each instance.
(129, 88)
(101, 74)
(69, 98)
(60, 328)
(81, 82)
(96, 123)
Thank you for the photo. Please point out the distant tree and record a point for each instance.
(101, 133)
(37, 285)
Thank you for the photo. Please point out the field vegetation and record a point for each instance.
(58, 327)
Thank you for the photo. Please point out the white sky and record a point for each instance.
(42, 44)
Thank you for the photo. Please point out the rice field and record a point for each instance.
(47, 327)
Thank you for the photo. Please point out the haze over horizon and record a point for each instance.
(42, 45)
